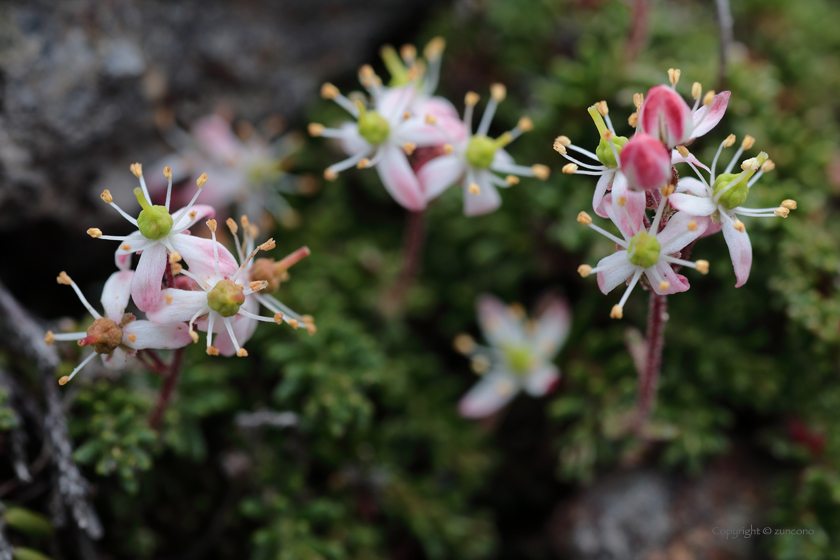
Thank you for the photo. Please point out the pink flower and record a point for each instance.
(475, 159)
(719, 200)
(666, 116)
(159, 232)
(519, 356)
(646, 163)
(644, 251)
(118, 335)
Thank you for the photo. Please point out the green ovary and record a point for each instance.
(604, 151)
(154, 222)
(226, 298)
(373, 127)
(644, 250)
(481, 150)
(734, 186)
(519, 359)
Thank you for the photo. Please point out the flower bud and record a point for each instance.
(666, 116)
(644, 250)
(646, 163)
(373, 127)
(154, 222)
(226, 298)
(104, 335)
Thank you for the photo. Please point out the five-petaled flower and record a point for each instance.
(519, 356)
(118, 334)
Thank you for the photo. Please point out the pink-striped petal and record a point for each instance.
(542, 380)
(740, 248)
(693, 205)
(178, 306)
(116, 294)
(703, 123)
(676, 158)
(499, 323)
(146, 284)
(618, 269)
(486, 200)
(677, 282)
(399, 179)
(135, 242)
(666, 116)
(147, 334)
(645, 162)
(629, 219)
(202, 211)
(677, 233)
(439, 174)
(491, 393)
(198, 254)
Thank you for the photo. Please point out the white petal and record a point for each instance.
(692, 186)
(542, 380)
(676, 234)
(693, 205)
(146, 284)
(399, 179)
(352, 142)
(552, 326)
(498, 322)
(618, 270)
(198, 253)
(439, 174)
(135, 242)
(487, 200)
(152, 335)
(115, 360)
(494, 391)
(116, 294)
(182, 307)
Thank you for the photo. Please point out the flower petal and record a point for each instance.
(636, 202)
(186, 222)
(499, 323)
(216, 138)
(552, 326)
(151, 335)
(704, 123)
(692, 186)
(676, 234)
(198, 253)
(243, 329)
(693, 205)
(676, 158)
(492, 392)
(145, 286)
(439, 174)
(677, 282)
(665, 116)
(542, 380)
(418, 132)
(135, 242)
(604, 182)
(486, 200)
(618, 270)
(740, 248)
(399, 179)
(182, 307)
(116, 294)
(351, 141)
(115, 360)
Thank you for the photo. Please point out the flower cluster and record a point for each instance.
(216, 292)
(417, 142)
(639, 174)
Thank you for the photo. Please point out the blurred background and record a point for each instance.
(348, 444)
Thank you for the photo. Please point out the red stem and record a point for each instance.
(415, 229)
(154, 362)
(170, 278)
(167, 389)
(649, 378)
(638, 29)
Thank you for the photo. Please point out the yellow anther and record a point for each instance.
(525, 124)
(176, 269)
(168, 299)
(608, 135)
(622, 201)
(789, 204)
(329, 91)
(748, 164)
(330, 175)
(175, 256)
(480, 364)
(315, 129)
(406, 115)
(569, 168)
(471, 99)
(201, 180)
(268, 245)
(194, 336)
(683, 151)
(730, 141)
(668, 190)
(193, 214)
(408, 53)
(137, 169)
(231, 224)
(584, 218)
(584, 270)
(617, 312)
(49, 338)
(696, 90)
(278, 318)
(132, 337)
(702, 266)
(63, 279)
(498, 92)
(692, 226)
(242, 353)
(294, 323)
(447, 149)
(474, 189)
(409, 148)
(664, 285)
(94, 232)
(748, 142)
(739, 225)
(125, 247)
(603, 108)
(768, 165)
(709, 98)
(434, 48)
(512, 180)
(167, 172)
(212, 225)
(563, 141)
(212, 351)
(64, 380)
(540, 171)
(633, 120)
(258, 285)
(106, 196)
(464, 343)
(430, 119)
(559, 148)
(781, 212)
(363, 163)
(674, 76)
(638, 99)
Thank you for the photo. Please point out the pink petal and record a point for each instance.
(542, 380)
(629, 219)
(676, 158)
(399, 179)
(201, 211)
(439, 174)
(487, 200)
(198, 253)
(416, 131)
(182, 307)
(552, 327)
(740, 248)
(215, 136)
(151, 335)
(693, 205)
(242, 329)
(676, 234)
(498, 322)
(437, 106)
(492, 392)
(394, 101)
(666, 116)
(145, 286)
(116, 294)
(604, 182)
(646, 163)
(678, 282)
(703, 123)
(135, 242)
(618, 270)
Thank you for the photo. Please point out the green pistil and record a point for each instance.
(731, 189)
(604, 151)
(226, 298)
(519, 359)
(373, 127)
(481, 150)
(644, 250)
(395, 66)
(154, 222)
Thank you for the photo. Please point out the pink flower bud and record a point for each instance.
(646, 163)
(666, 116)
